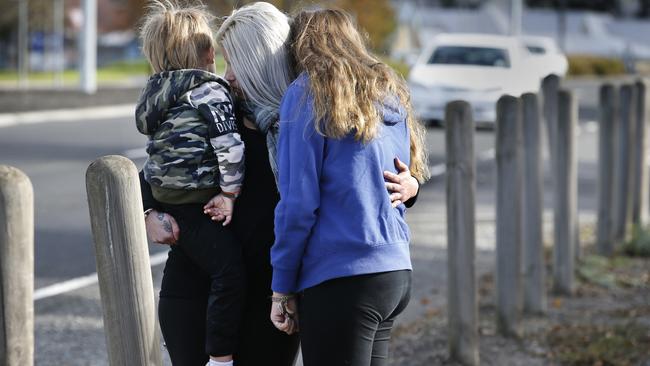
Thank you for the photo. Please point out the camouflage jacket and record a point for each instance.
(193, 140)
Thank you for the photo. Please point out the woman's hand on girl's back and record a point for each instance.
(402, 186)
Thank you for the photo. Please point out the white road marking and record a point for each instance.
(68, 115)
(84, 281)
(486, 155)
(591, 126)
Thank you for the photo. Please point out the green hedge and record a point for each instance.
(592, 65)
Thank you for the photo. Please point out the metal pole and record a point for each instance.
(562, 25)
(58, 19)
(88, 48)
(23, 43)
(516, 14)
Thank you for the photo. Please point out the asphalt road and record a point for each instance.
(55, 156)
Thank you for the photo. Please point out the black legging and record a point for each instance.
(348, 321)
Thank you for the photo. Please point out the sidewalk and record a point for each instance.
(14, 101)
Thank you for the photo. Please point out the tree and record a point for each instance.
(376, 17)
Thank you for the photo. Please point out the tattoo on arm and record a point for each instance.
(167, 226)
(161, 216)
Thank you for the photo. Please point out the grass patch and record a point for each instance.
(597, 270)
(598, 345)
(580, 65)
(639, 244)
(115, 72)
(616, 272)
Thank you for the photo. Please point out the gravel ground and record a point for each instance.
(596, 313)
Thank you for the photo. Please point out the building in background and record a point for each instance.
(117, 39)
(587, 32)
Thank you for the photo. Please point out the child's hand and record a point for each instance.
(220, 208)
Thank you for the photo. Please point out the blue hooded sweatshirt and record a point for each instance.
(335, 218)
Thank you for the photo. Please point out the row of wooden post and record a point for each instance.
(520, 271)
(623, 173)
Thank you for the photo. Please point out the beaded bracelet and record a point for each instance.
(282, 304)
(281, 299)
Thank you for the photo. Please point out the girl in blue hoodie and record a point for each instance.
(340, 244)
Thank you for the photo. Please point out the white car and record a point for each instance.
(547, 56)
(472, 67)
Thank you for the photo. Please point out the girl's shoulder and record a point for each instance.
(297, 92)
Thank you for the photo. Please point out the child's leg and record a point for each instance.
(181, 309)
(215, 251)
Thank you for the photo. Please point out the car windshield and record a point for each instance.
(461, 55)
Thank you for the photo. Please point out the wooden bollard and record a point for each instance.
(461, 236)
(565, 201)
(508, 215)
(608, 103)
(624, 164)
(16, 268)
(123, 265)
(640, 171)
(550, 90)
(533, 259)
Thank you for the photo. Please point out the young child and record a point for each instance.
(196, 161)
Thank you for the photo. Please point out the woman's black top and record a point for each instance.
(254, 209)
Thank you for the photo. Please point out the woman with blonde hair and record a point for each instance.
(340, 244)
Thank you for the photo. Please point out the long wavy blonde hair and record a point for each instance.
(348, 82)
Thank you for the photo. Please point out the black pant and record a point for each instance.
(208, 251)
(347, 321)
(182, 310)
(261, 343)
